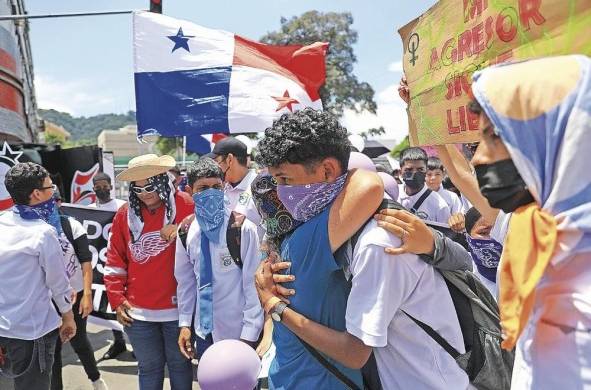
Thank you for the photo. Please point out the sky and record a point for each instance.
(84, 65)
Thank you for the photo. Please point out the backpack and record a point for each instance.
(489, 367)
(233, 235)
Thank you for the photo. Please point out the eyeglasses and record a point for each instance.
(147, 189)
(53, 187)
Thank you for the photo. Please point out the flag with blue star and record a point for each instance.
(209, 81)
(180, 40)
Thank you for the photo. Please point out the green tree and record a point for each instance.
(52, 139)
(373, 132)
(342, 88)
(88, 128)
(167, 145)
(400, 147)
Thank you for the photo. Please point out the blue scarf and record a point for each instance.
(46, 211)
(210, 211)
(486, 254)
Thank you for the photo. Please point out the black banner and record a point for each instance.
(98, 228)
(72, 170)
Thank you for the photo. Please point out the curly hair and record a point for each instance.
(204, 168)
(22, 179)
(305, 137)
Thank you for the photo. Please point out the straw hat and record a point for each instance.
(145, 166)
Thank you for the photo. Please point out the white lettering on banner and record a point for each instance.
(103, 260)
(95, 232)
(99, 291)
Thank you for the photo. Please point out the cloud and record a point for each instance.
(77, 97)
(395, 67)
(391, 114)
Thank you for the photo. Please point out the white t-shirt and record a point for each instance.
(112, 205)
(383, 286)
(453, 201)
(71, 261)
(434, 208)
(241, 200)
(497, 233)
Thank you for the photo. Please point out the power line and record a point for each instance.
(67, 15)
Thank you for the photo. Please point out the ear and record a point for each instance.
(332, 169)
(229, 158)
(34, 196)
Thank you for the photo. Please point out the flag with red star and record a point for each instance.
(191, 80)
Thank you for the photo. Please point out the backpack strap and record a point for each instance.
(420, 201)
(350, 385)
(184, 229)
(435, 336)
(234, 237)
(67, 228)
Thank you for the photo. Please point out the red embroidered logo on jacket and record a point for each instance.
(149, 245)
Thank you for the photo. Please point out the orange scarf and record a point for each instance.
(527, 251)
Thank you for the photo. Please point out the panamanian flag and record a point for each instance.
(192, 80)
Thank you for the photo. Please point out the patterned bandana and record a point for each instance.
(209, 210)
(306, 201)
(46, 211)
(165, 190)
(278, 221)
(486, 254)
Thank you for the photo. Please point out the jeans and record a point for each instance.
(30, 361)
(156, 344)
(201, 345)
(81, 346)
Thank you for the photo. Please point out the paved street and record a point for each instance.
(120, 374)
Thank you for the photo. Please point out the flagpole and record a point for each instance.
(65, 15)
(184, 151)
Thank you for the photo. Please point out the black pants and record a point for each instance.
(118, 336)
(30, 361)
(81, 346)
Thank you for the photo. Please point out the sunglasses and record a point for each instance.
(147, 189)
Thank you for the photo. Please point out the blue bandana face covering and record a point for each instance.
(209, 210)
(46, 211)
(486, 254)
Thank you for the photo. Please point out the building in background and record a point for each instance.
(18, 107)
(123, 143)
(53, 130)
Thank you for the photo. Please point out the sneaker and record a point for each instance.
(99, 384)
(115, 350)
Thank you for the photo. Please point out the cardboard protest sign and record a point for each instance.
(447, 44)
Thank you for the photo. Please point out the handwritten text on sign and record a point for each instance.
(455, 38)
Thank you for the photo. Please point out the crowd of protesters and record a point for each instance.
(359, 279)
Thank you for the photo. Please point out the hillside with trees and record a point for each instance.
(86, 129)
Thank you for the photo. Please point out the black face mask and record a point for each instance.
(501, 184)
(414, 180)
(103, 195)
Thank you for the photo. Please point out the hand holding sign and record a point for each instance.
(455, 38)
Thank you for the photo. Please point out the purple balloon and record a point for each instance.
(229, 364)
(390, 186)
(361, 161)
